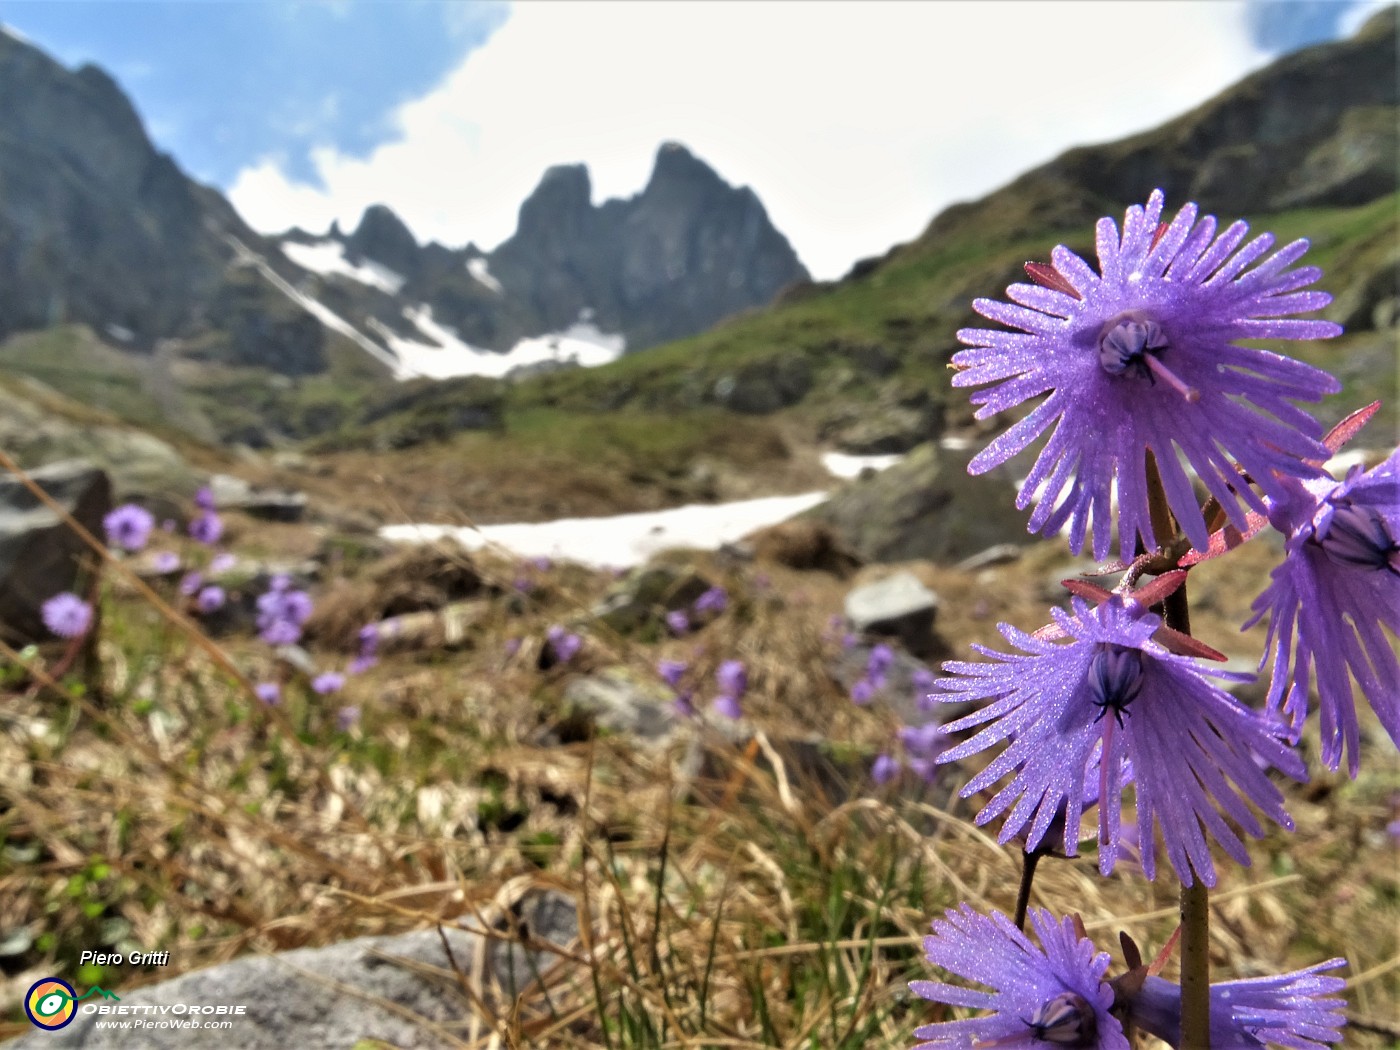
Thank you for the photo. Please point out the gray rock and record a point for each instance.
(40, 555)
(400, 990)
(619, 700)
(899, 692)
(997, 554)
(926, 507)
(233, 493)
(139, 465)
(899, 606)
(648, 593)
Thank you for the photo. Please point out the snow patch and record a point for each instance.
(844, 465)
(477, 268)
(14, 34)
(445, 355)
(328, 257)
(622, 541)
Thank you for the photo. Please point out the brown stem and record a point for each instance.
(1195, 899)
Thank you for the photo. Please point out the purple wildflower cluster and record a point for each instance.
(709, 605)
(563, 643)
(1142, 378)
(282, 610)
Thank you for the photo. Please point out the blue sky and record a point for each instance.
(854, 123)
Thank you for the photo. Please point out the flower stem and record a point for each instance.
(1029, 860)
(1195, 899)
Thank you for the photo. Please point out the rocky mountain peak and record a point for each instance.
(383, 237)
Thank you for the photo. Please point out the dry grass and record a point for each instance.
(160, 807)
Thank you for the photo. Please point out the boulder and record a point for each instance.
(621, 701)
(233, 493)
(926, 507)
(898, 606)
(40, 555)
(401, 991)
(802, 544)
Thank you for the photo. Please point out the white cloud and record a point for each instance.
(854, 123)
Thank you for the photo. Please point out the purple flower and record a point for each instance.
(295, 607)
(280, 582)
(684, 704)
(222, 562)
(328, 682)
(1053, 995)
(728, 706)
(678, 621)
(361, 664)
(922, 680)
(671, 671)
(369, 639)
(210, 599)
(1143, 356)
(565, 644)
(206, 528)
(1188, 746)
(204, 498)
(922, 746)
(884, 769)
(279, 632)
(850, 640)
(66, 615)
(732, 678)
(269, 693)
(862, 692)
(880, 661)
(166, 562)
(129, 526)
(347, 718)
(1298, 1010)
(715, 600)
(1328, 602)
(190, 583)
(512, 647)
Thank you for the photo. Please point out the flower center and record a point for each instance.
(1359, 537)
(1134, 343)
(1115, 679)
(1066, 1020)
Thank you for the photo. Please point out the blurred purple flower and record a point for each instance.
(512, 647)
(191, 582)
(684, 704)
(564, 644)
(166, 562)
(733, 679)
(347, 718)
(1331, 602)
(210, 599)
(128, 526)
(862, 692)
(884, 769)
(328, 682)
(369, 639)
(223, 562)
(880, 661)
(678, 621)
(1144, 355)
(66, 615)
(204, 498)
(280, 582)
(671, 671)
(206, 528)
(1052, 994)
(279, 632)
(1189, 746)
(922, 681)
(361, 664)
(269, 693)
(1301, 1010)
(850, 640)
(728, 706)
(715, 600)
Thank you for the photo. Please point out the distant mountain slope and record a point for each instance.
(685, 253)
(99, 228)
(1304, 147)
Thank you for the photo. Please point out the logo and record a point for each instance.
(50, 1003)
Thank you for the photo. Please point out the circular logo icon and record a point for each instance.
(49, 1003)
